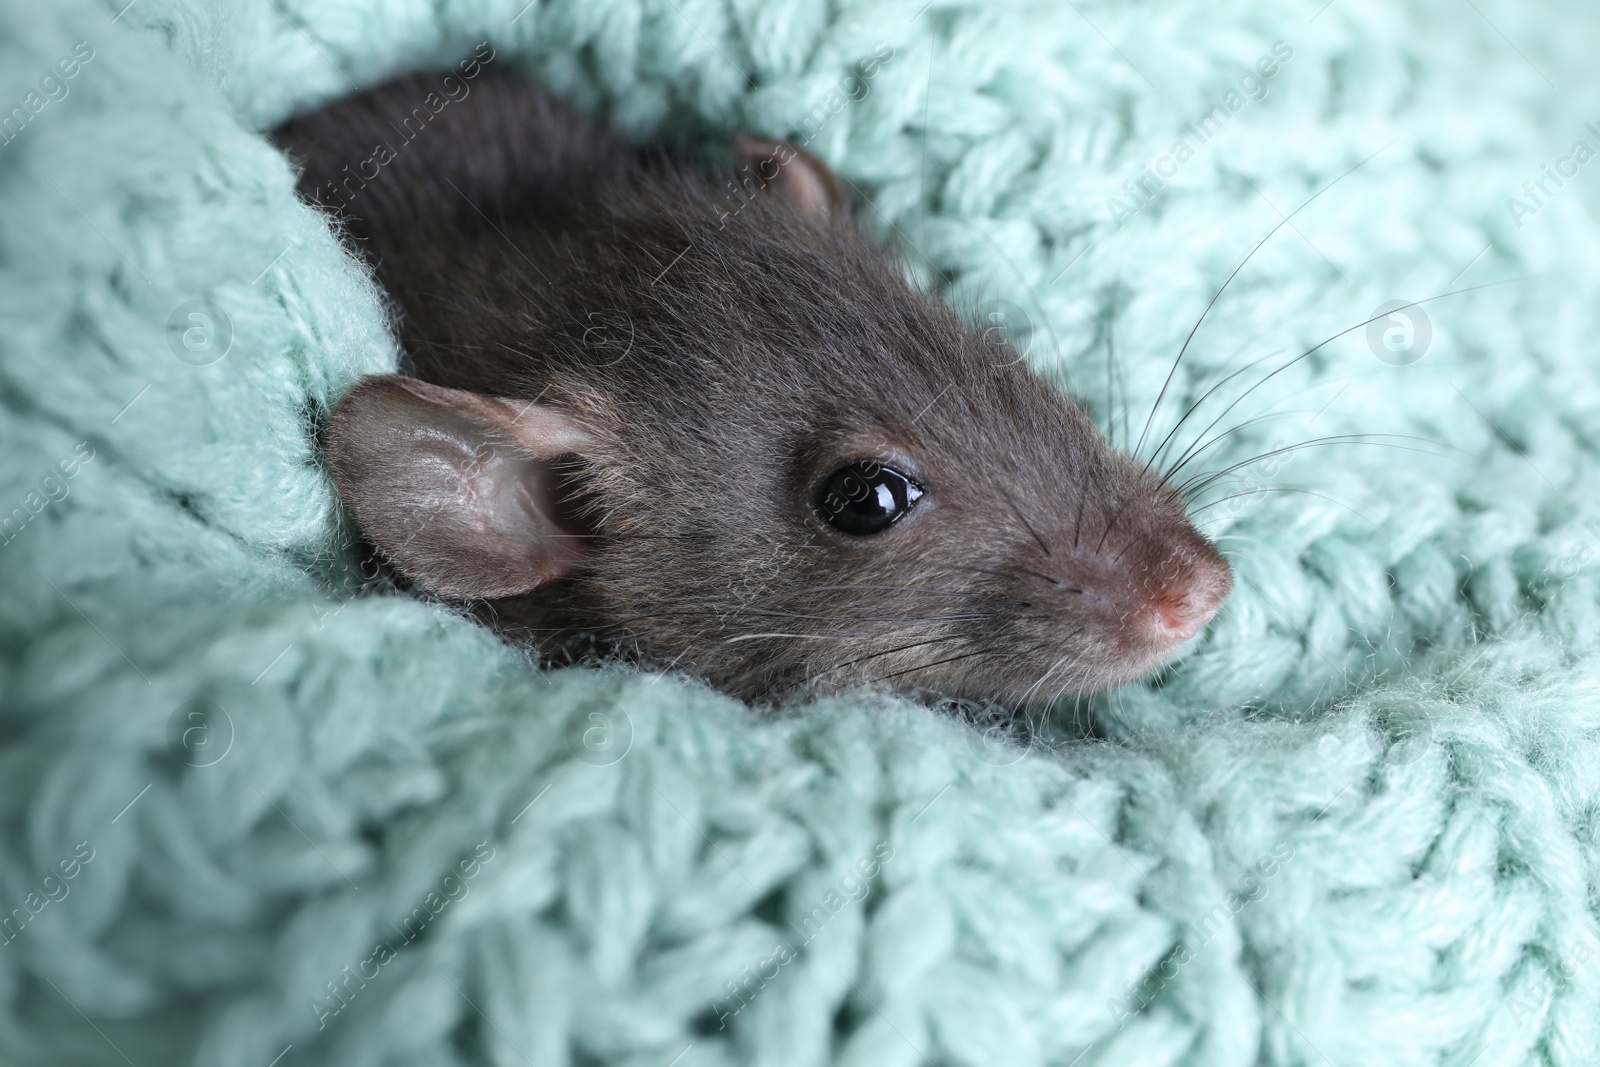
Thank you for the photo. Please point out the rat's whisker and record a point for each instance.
(877, 655)
(1077, 525)
(1124, 549)
(1116, 385)
(985, 651)
(1020, 570)
(1199, 443)
(1025, 523)
(1162, 447)
(986, 570)
(1117, 515)
(1062, 661)
(1200, 481)
(1223, 373)
(1072, 681)
(1223, 288)
(930, 666)
(1111, 392)
(926, 590)
(1360, 325)
(881, 620)
(1281, 489)
(1197, 448)
(794, 637)
(723, 614)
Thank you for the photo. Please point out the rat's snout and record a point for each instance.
(1154, 593)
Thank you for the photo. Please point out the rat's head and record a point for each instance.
(779, 466)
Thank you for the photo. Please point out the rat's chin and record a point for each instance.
(1115, 661)
(1155, 639)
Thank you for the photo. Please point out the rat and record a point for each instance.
(707, 422)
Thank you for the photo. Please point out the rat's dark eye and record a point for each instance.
(865, 497)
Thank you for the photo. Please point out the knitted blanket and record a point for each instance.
(258, 810)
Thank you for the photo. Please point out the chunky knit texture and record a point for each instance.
(250, 808)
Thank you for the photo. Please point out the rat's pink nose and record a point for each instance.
(1181, 605)
(1177, 622)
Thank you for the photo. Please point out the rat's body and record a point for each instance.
(648, 376)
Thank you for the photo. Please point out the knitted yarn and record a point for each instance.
(257, 810)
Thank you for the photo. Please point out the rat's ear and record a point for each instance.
(794, 175)
(463, 493)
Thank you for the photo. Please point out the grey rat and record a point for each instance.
(709, 422)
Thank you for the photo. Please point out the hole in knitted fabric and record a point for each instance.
(707, 1024)
(186, 504)
(466, 1037)
(844, 1022)
(769, 909)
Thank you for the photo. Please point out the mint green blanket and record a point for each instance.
(255, 813)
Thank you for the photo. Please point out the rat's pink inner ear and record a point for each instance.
(792, 174)
(463, 493)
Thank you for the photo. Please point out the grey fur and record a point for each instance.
(723, 362)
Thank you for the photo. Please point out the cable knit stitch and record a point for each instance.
(252, 807)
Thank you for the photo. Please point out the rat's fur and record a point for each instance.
(724, 352)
